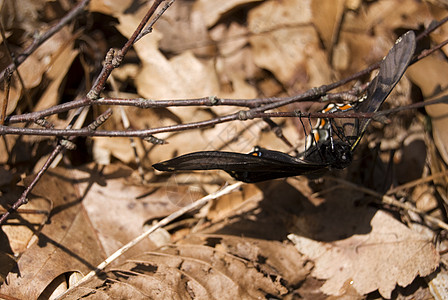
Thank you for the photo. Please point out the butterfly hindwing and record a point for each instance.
(391, 70)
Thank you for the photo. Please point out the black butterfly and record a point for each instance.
(325, 153)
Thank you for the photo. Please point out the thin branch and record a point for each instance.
(148, 28)
(23, 198)
(416, 182)
(241, 115)
(62, 145)
(433, 26)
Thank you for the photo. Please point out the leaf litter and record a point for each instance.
(236, 247)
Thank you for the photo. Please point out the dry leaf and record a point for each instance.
(390, 254)
(385, 16)
(183, 28)
(61, 244)
(287, 46)
(39, 62)
(234, 65)
(22, 13)
(56, 73)
(19, 233)
(118, 209)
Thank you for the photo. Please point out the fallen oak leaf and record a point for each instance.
(390, 254)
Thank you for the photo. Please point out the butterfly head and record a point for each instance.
(337, 154)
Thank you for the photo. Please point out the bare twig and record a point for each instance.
(148, 28)
(433, 26)
(100, 120)
(146, 103)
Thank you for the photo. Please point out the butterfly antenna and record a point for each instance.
(304, 130)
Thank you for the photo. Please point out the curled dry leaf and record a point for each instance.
(274, 258)
(234, 65)
(385, 16)
(390, 254)
(56, 72)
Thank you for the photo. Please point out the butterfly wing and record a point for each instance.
(256, 166)
(391, 70)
